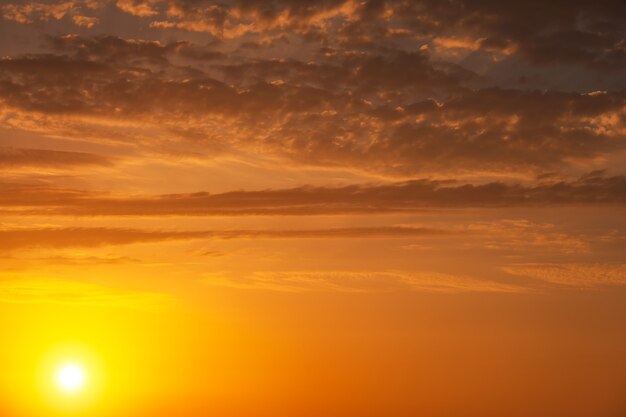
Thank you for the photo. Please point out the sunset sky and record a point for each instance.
(313, 208)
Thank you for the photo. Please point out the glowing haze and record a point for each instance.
(313, 208)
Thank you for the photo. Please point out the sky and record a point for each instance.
(329, 208)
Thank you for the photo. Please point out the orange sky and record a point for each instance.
(313, 207)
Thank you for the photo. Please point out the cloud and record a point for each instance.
(125, 53)
(380, 89)
(21, 157)
(85, 21)
(522, 236)
(77, 259)
(30, 12)
(484, 130)
(239, 18)
(57, 291)
(396, 113)
(591, 190)
(578, 275)
(140, 8)
(16, 239)
(110, 49)
(358, 282)
(583, 33)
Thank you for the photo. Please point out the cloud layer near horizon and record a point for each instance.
(592, 189)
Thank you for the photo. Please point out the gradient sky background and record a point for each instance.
(314, 208)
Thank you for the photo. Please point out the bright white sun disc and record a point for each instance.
(70, 377)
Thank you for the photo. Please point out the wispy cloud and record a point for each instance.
(579, 275)
(23, 238)
(44, 158)
(358, 282)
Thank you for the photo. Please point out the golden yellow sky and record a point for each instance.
(313, 208)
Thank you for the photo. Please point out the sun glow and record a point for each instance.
(71, 378)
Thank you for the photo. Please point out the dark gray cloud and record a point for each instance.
(377, 86)
(397, 113)
(581, 32)
(115, 50)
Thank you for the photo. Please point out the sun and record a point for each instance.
(71, 377)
